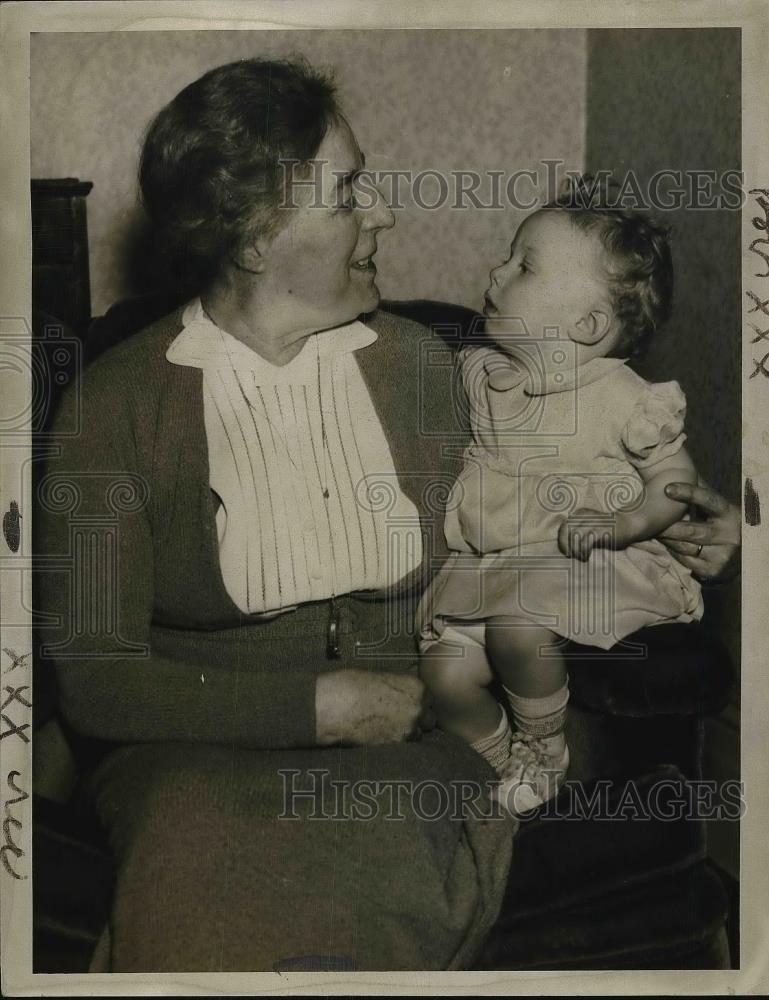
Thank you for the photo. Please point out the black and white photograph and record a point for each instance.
(353, 632)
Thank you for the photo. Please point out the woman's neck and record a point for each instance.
(240, 315)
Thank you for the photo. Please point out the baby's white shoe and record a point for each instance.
(533, 774)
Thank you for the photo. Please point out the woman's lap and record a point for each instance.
(222, 867)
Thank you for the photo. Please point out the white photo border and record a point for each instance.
(17, 21)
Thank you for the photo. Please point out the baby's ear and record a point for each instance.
(592, 328)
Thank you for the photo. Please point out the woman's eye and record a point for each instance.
(524, 267)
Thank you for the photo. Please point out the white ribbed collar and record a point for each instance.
(202, 344)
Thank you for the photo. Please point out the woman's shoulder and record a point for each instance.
(111, 340)
(127, 382)
(386, 322)
(135, 361)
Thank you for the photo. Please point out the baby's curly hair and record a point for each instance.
(640, 264)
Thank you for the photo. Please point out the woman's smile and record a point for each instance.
(365, 265)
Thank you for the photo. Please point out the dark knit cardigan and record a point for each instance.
(183, 663)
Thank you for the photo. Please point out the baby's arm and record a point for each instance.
(650, 518)
(656, 511)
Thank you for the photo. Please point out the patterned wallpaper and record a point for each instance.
(425, 100)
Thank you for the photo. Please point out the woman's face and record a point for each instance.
(319, 270)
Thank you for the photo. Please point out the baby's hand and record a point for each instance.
(584, 530)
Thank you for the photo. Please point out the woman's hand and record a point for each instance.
(355, 706)
(709, 544)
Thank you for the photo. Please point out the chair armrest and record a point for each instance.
(73, 878)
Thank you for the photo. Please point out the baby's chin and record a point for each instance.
(508, 335)
(511, 330)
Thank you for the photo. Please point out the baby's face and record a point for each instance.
(553, 278)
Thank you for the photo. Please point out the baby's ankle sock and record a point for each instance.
(496, 746)
(543, 718)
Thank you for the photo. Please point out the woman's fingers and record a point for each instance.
(700, 567)
(701, 496)
(708, 562)
(680, 548)
(693, 532)
(720, 531)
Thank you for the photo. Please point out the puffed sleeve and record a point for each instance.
(655, 428)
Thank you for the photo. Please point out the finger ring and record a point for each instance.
(698, 552)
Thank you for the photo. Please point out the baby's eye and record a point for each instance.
(524, 267)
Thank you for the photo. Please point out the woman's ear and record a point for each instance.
(592, 328)
(251, 258)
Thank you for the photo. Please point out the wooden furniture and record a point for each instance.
(60, 277)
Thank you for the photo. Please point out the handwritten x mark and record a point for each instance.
(763, 306)
(18, 658)
(13, 729)
(760, 367)
(760, 334)
(14, 694)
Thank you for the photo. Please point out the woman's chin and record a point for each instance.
(369, 300)
(359, 304)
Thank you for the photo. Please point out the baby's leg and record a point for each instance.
(457, 675)
(514, 651)
(456, 672)
(534, 678)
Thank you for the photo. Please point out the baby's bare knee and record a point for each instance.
(452, 676)
(524, 639)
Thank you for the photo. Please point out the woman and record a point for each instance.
(269, 548)
(268, 513)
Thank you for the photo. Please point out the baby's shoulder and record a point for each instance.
(607, 405)
(633, 390)
(623, 390)
(624, 380)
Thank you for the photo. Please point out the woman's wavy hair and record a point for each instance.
(639, 261)
(211, 175)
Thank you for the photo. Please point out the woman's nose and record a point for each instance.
(380, 215)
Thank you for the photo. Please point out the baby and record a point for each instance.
(553, 520)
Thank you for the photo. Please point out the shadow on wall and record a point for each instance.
(671, 100)
(147, 266)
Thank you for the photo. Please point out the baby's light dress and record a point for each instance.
(544, 444)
